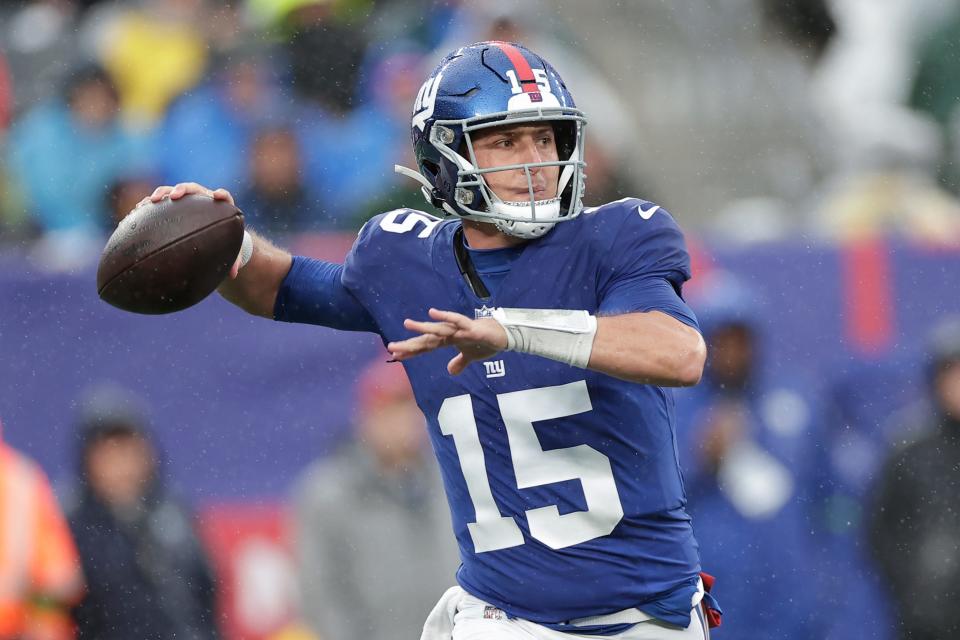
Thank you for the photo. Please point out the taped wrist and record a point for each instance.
(246, 249)
(564, 335)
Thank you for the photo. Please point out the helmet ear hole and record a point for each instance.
(431, 168)
(442, 184)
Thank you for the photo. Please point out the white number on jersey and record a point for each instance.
(492, 530)
(389, 222)
(534, 467)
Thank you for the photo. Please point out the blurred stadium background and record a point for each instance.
(809, 148)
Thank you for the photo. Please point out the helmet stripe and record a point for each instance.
(524, 72)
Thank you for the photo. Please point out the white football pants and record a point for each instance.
(460, 616)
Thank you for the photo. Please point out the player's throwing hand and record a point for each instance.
(187, 188)
(475, 339)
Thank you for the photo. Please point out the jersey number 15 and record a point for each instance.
(534, 467)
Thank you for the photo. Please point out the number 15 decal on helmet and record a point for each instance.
(476, 89)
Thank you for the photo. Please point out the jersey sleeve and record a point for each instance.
(646, 265)
(356, 276)
(390, 267)
(313, 293)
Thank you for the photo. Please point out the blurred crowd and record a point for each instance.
(815, 498)
(752, 120)
(300, 108)
(831, 117)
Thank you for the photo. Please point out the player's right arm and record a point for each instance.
(275, 284)
(255, 289)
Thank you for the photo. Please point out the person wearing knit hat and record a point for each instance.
(40, 575)
(916, 510)
(364, 576)
(134, 535)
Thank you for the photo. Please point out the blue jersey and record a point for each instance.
(563, 483)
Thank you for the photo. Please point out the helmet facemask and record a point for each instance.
(528, 218)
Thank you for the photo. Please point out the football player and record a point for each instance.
(541, 339)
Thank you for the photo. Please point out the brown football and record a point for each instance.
(169, 255)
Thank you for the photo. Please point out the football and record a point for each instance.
(169, 255)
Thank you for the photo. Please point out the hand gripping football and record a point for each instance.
(169, 255)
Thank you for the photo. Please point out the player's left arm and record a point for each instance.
(648, 347)
(645, 331)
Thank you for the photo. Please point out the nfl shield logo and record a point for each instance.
(492, 613)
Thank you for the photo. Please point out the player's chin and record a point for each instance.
(523, 195)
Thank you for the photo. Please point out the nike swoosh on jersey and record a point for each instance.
(646, 215)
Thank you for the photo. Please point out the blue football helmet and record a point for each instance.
(486, 85)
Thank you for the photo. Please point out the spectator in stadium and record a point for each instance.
(65, 197)
(40, 574)
(936, 90)
(147, 575)
(154, 51)
(365, 576)
(275, 195)
(41, 43)
(349, 155)
(861, 397)
(747, 446)
(916, 514)
(123, 196)
(388, 87)
(886, 155)
(208, 131)
(325, 49)
(883, 155)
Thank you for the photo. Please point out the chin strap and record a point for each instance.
(416, 175)
(425, 188)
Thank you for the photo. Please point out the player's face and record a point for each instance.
(518, 144)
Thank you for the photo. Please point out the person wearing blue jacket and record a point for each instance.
(747, 443)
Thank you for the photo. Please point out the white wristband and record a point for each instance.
(558, 334)
(246, 249)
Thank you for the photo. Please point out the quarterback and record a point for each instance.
(541, 338)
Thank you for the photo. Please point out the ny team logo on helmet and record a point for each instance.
(486, 85)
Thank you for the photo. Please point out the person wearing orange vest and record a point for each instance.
(40, 576)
